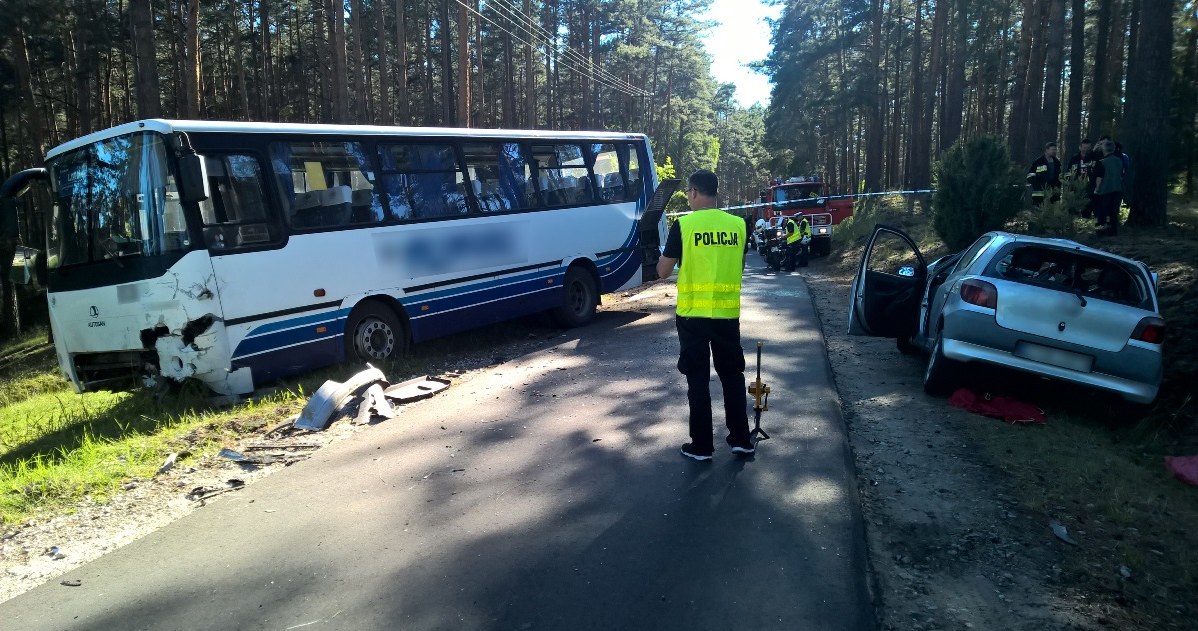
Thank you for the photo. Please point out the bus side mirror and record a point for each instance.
(8, 218)
(193, 178)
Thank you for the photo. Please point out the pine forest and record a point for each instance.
(867, 93)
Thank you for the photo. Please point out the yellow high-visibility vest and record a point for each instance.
(799, 231)
(713, 247)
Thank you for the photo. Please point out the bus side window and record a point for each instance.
(422, 181)
(632, 161)
(236, 214)
(500, 176)
(607, 173)
(562, 174)
(326, 184)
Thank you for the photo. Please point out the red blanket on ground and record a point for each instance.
(1005, 408)
(1184, 468)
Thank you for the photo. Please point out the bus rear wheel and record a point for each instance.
(581, 296)
(375, 333)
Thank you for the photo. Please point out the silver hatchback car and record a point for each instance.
(1050, 307)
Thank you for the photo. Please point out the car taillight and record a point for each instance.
(1151, 330)
(980, 293)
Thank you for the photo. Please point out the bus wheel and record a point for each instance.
(578, 307)
(374, 332)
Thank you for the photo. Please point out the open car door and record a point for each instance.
(889, 287)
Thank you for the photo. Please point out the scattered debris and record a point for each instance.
(416, 389)
(1184, 468)
(1005, 408)
(201, 493)
(72, 582)
(54, 553)
(1124, 571)
(256, 446)
(261, 459)
(288, 423)
(1061, 532)
(330, 397)
(374, 404)
(170, 462)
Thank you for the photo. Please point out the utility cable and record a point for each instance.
(514, 14)
(572, 64)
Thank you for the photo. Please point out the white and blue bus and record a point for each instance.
(239, 253)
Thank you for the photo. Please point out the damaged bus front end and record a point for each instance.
(131, 292)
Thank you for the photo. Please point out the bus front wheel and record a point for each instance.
(581, 296)
(375, 333)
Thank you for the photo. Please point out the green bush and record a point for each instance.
(676, 205)
(978, 189)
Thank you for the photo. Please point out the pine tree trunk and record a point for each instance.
(1077, 76)
(359, 64)
(447, 109)
(1148, 140)
(383, 114)
(915, 136)
(530, 76)
(463, 67)
(145, 67)
(191, 59)
(1034, 88)
(401, 64)
(954, 101)
(1098, 100)
(509, 75)
(1054, 69)
(873, 130)
(1017, 130)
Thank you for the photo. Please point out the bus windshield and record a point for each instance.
(114, 199)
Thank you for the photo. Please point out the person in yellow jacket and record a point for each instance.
(798, 240)
(709, 247)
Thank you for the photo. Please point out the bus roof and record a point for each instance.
(169, 126)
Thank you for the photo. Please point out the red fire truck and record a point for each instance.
(807, 195)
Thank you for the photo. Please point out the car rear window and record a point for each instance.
(1074, 272)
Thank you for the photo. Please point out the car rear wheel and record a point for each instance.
(905, 346)
(940, 376)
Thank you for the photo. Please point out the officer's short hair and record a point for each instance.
(705, 182)
(1049, 145)
(1086, 141)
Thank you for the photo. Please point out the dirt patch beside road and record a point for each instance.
(958, 506)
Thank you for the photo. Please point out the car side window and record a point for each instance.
(972, 253)
(892, 255)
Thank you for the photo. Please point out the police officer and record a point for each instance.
(798, 240)
(710, 246)
(1045, 174)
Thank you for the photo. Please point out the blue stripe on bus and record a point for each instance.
(316, 318)
(459, 306)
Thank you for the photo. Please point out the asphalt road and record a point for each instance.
(546, 493)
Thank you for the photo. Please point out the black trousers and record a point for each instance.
(1106, 211)
(710, 340)
(795, 252)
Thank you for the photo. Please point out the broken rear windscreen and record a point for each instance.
(1074, 272)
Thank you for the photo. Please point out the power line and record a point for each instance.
(526, 43)
(512, 12)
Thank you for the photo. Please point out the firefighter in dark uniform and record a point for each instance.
(1081, 165)
(1045, 175)
(709, 245)
(798, 242)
